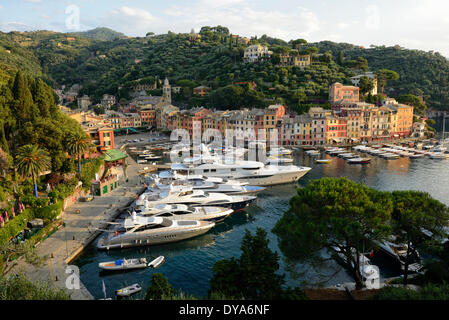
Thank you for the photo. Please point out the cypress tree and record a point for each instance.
(23, 100)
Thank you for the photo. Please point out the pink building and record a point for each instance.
(339, 93)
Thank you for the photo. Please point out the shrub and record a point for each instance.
(32, 201)
(49, 212)
(63, 190)
(14, 226)
(428, 292)
(2, 194)
(19, 287)
(89, 170)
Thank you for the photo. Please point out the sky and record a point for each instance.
(414, 24)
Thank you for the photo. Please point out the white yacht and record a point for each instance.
(173, 176)
(439, 155)
(280, 160)
(184, 212)
(186, 195)
(281, 151)
(253, 172)
(207, 186)
(143, 231)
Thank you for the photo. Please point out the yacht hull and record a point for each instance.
(279, 178)
(150, 238)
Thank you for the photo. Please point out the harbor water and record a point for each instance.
(189, 263)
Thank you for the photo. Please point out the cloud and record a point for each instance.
(34, 1)
(15, 26)
(134, 21)
(240, 17)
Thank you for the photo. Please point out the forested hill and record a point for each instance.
(104, 34)
(418, 70)
(102, 65)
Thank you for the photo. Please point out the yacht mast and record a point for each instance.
(444, 127)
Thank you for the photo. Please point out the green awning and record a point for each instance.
(114, 155)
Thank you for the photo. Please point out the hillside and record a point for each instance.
(216, 60)
(104, 34)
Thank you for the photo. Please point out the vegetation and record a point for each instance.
(253, 276)
(345, 219)
(18, 287)
(102, 62)
(424, 74)
(336, 215)
(78, 143)
(159, 289)
(414, 211)
(104, 34)
(31, 161)
(428, 292)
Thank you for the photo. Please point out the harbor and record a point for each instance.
(189, 262)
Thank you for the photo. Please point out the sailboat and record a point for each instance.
(441, 148)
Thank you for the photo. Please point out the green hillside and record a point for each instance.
(104, 34)
(216, 60)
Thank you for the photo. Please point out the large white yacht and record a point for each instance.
(184, 212)
(188, 196)
(253, 172)
(206, 186)
(142, 231)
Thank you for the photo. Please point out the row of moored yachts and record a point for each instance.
(190, 199)
(388, 152)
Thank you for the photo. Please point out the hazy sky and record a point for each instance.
(410, 23)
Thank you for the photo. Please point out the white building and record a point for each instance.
(255, 52)
(84, 102)
(356, 80)
(108, 101)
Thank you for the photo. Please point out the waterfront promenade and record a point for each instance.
(65, 244)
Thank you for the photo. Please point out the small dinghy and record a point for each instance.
(156, 263)
(127, 291)
(323, 161)
(123, 264)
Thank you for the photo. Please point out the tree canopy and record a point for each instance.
(335, 215)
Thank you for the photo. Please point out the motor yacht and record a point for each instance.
(439, 156)
(188, 196)
(184, 212)
(359, 160)
(207, 186)
(276, 160)
(281, 151)
(143, 231)
(253, 172)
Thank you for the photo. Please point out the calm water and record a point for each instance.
(189, 263)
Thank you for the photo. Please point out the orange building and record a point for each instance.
(148, 116)
(201, 90)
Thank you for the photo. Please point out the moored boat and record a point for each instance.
(143, 231)
(359, 160)
(156, 263)
(323, 161)
(123, 264)
(127, 291)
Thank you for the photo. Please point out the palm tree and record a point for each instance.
(31, 161)
(78, 143)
